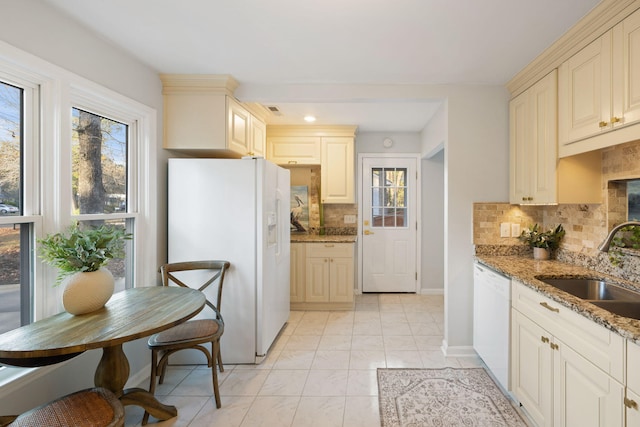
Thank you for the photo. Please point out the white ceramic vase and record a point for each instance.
(85, 292)
(540, 253)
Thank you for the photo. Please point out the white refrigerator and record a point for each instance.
(235, 210)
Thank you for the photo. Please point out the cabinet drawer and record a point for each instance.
(335, 250)
(600, 346)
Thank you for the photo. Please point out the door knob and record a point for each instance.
(367, 232)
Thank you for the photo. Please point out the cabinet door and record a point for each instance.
(338, 168)
(298, 262)
(238, 137)
(258, 137)
(584, 97)
(584, 395)
(294, 150)
(341, 279)
(519, 135)
(317, 280)
(531, 369)
(626, 71)
(632, 409)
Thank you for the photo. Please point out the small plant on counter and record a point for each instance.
(536, 238)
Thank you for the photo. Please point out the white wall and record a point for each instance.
(36, 28)
(403, 142)
(433, 224)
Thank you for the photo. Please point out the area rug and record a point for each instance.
(447, 397)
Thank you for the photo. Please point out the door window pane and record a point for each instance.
(388, 201)
(99, 167)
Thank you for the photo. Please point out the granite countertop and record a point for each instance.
(525, 270)
(315, 238)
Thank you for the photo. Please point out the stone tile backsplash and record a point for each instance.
(586, 225)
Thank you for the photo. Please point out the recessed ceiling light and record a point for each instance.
(309, 119)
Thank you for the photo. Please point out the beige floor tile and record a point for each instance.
(396, 328)
(391, 307)
(362, 382)
(425, 328)
(367, 359)
(334, 328)
(392, 317)
(403, 359)
(331, 359)
(435, 359)
(367, 298)
(231, 414)
(361, 411)
(271, 411)
(335, 342)
(389, 298)
(399, 342)
(366, 316)
(367, 342)
(302, 342)
(326, 383)
(371, 327)
(340, 317)
(284, 383)
(295, 359)
(425, 342)
(316, 411)
(243, 383)
(189, 406)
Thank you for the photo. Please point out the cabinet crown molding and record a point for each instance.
(600, 19)
(311, 130)
(223, 84)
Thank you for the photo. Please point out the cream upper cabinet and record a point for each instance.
(332, 147)
(533, 141)
(201, 116)
(599, 91)
(338, 170)
(294, 150)
(536, 175)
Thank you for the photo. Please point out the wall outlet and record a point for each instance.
(505, 229)
(515, 230)
(349, 219)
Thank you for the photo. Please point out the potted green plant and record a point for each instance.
(542, 242)
(80, 255)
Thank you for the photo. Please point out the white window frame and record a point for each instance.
(47, 202)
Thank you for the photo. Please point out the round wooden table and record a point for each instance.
(129, 315)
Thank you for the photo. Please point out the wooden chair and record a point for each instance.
(94, 407)
(193, 333)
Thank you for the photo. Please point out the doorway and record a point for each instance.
(389, 227)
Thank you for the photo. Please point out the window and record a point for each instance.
(99, 153)
(633, 200)
(388, 204)
(16, 232)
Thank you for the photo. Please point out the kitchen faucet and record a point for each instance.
(604, 246)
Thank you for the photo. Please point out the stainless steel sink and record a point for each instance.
(629, 309)
(592, 289)
(611, 297)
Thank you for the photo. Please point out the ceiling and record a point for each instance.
(334, 44)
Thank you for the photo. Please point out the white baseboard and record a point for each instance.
(424, 291)
(457, 351)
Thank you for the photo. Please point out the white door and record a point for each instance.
(389, 227)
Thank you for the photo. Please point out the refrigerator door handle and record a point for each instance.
(278, 225)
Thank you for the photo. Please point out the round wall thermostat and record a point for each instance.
(388, 142)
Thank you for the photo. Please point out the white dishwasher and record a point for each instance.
(492, 320)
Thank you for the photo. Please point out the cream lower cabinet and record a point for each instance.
(297, 277)
(632, 399)
(328, 277)
(563, 365)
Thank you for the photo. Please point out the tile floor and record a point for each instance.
(321, 371)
